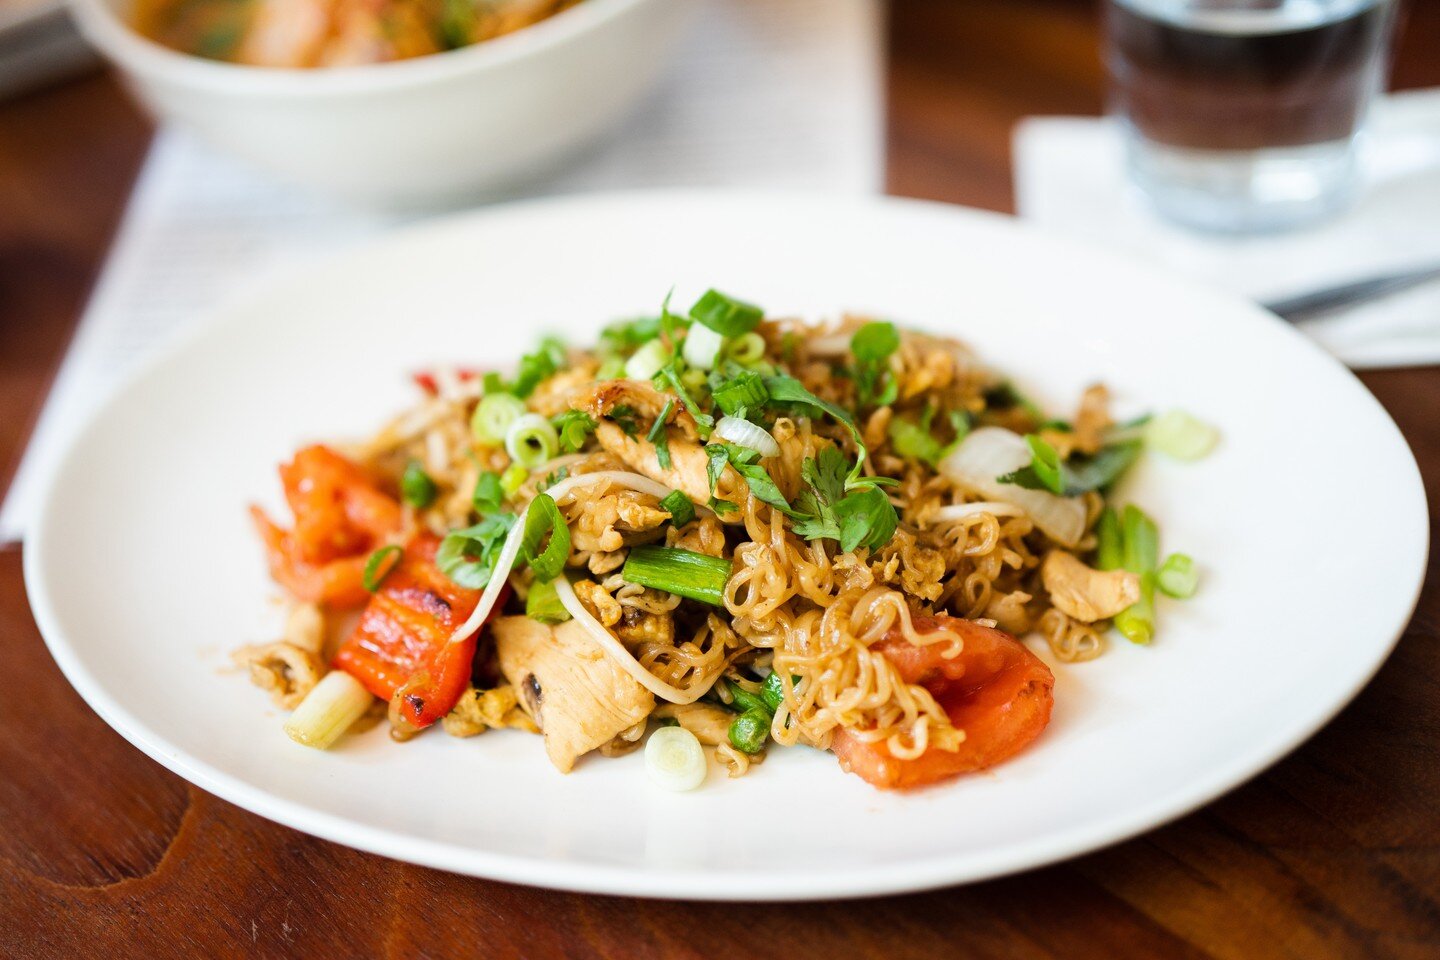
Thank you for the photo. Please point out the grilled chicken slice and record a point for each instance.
(688, 463)
(643, 400)
(576, 694)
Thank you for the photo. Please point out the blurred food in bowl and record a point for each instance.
(420, 131)
(331, 33)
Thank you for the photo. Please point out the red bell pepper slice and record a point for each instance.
(401, 649)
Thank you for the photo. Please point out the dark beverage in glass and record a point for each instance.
(1243, 114)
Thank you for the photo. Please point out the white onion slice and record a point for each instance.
(990, 453)
(617, 650)
(746, 434)
(960, 511)
(675, 760)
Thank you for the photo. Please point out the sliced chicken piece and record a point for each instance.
(576, 694)
(1084, 593)
(688, 464)
(640, 396)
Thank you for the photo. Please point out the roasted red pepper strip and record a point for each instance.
(996, 690)
(426, 381)
(401, 650)
(340, 517)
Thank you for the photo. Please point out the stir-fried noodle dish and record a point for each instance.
(718, 530)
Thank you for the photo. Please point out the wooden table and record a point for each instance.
(1333, 853)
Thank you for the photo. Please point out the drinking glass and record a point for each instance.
(1244, 115)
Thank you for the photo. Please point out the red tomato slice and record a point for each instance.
(996, 690)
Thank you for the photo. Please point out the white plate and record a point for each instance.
(1310, 523)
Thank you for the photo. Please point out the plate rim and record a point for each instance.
(668, 883)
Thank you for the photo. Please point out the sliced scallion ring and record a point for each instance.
(531, 440)
(675, 760)
(746, 349)
(543, 517)
(1177, 434)
(379, 566)
(493, 416)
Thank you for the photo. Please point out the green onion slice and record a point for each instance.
(544, 517)
(1178, 577)
(531, 440)
(416, 487)
(493, 416)
(685, 573)
(679, 506)
(746, 391)
(377, 568)
(1177, 434)
(747, 349)
(489, 493)
(726, 315)
(543, 603)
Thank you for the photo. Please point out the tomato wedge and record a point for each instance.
(340, 517)
(401, 649)
(996, 690)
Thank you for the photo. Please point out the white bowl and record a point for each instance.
(419, 131)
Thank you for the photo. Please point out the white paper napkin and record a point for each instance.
(767, 93)
(1070, 177)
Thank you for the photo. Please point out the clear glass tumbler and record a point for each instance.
(1243, 115)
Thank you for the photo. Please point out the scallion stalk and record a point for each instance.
(1142, 556)
(1110, 549)
(330, 708)
(684, 573)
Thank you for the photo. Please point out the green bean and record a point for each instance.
(749, 731)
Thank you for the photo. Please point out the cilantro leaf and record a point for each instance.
(468, 556)
(872, 346)
(573, 427)
(867, 518)
(743, 460)
(1077, 475)
(539, 366)
(703, 420)
(625, 416)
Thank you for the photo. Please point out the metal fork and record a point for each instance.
(1317, 303)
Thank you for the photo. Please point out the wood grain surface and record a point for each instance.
(1335, 852)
